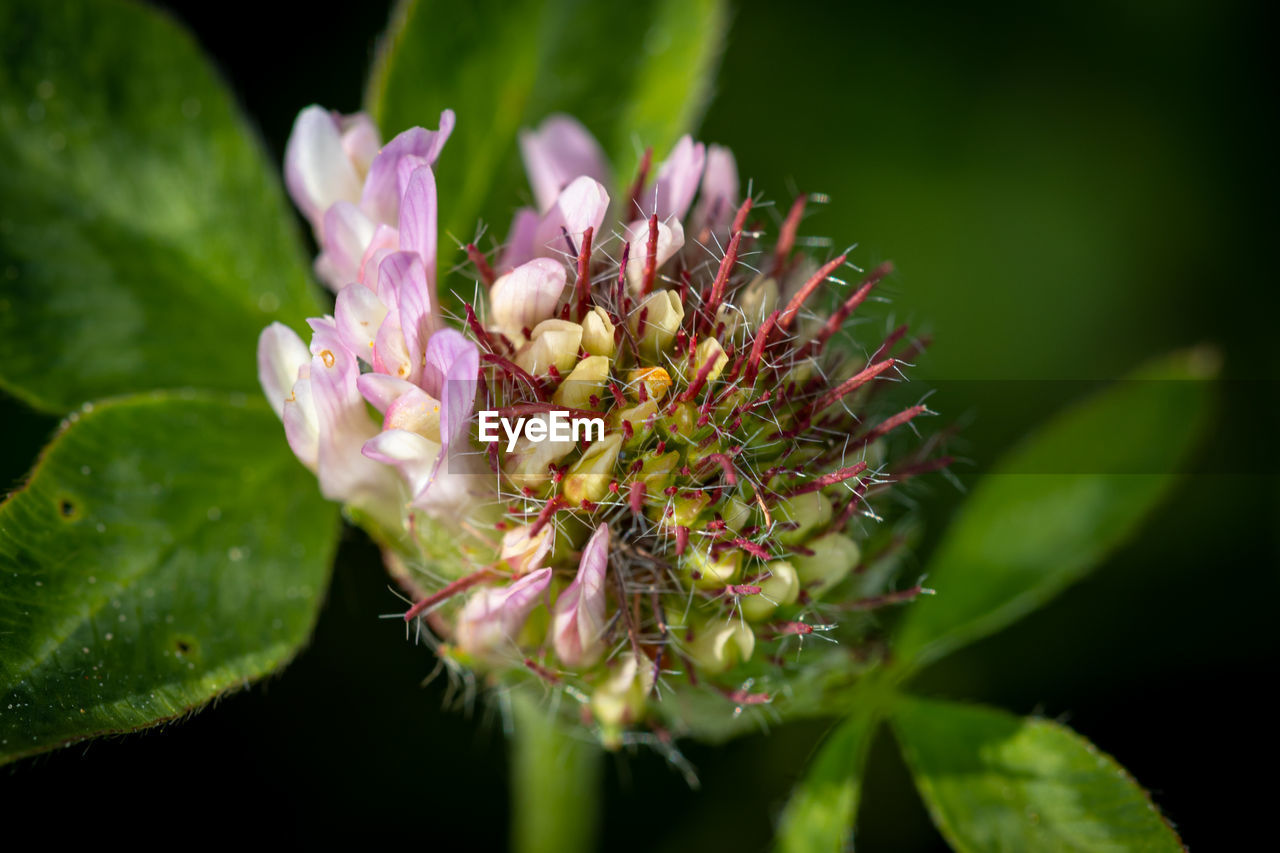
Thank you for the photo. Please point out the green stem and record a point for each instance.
(555, 782)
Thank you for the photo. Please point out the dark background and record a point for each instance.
(1066, 191)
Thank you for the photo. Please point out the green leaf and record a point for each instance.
(635, 74)
(1056, 506)
(820, 814)
(995, 781)
(167, 549)
(144, 240)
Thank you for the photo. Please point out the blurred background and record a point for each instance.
(1066, 190)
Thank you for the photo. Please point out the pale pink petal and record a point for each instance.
(579, 620)
(386, 240)
(492, 617)
(317, 170)
(580, 206)
(718, 196)
(358, 313)
(300, 425)
(527, 295)
(450, 376)
(360, 141)
(281, 353)
(677, 180)
(345, 235)
(560, 150)
(409, 453)
(382, 189)
(381, 390)
(670, 241)
(344, 426)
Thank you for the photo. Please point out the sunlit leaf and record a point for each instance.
(995, 781)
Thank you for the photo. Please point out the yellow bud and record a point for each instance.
(709, 350)
(736, 514)
(753, 304)
(529, 463)
(588, 478)
(553, 342)
(663, 313)
(782, 587)
(656, 382)
(597, 333)
(587, 379)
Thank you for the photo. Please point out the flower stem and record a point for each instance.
(556, 781)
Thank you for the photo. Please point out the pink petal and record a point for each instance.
(409, 453)
(677, 180)
(579, 620)
(519, 248)
(382, 190)
(300, 425)
(718, 197)
(386, 240)
(560, 150)
(281, 354)
(527, 295)
(418, 217)
(580, 206)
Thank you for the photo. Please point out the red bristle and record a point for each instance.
(584, 272)
(556, 503)
(787, 237)
(452, 589)
(836, 320)
(758, 345)
(722, 277)
(752, 548)
(482, 266)
(651, 257)
(851, 384)
(830, 479)
(682, 540)
(642, 174)
(636, 497)
(793, 307)
(740, 218)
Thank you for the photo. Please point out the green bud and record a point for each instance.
(811, 511)
(714, 572)
(834, 556)
(720, 644)
(782, 587)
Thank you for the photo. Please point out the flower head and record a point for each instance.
(726, 511)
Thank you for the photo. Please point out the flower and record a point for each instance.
(728, 511)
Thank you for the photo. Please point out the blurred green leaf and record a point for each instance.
(144, 241)
(1056, 506)
(820, 814)
(556, 779)
(635, 74)
(995, 781)
(167, 549)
